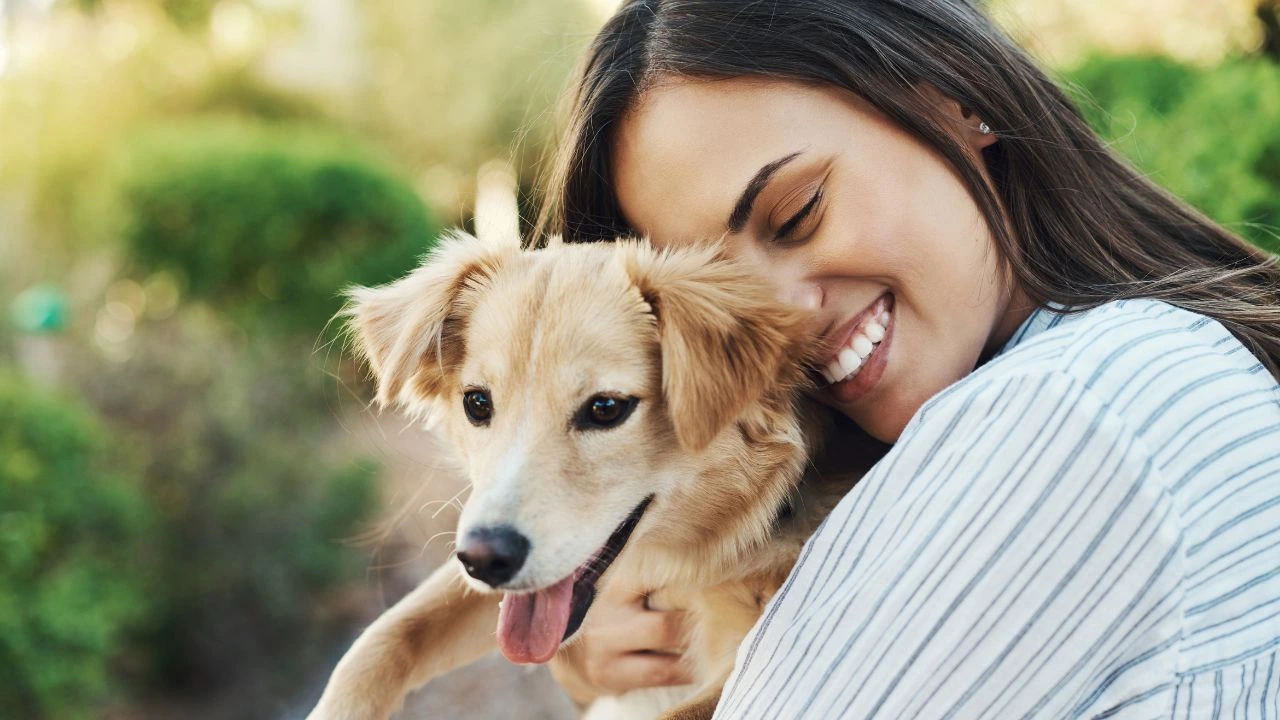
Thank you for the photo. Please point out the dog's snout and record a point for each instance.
(493, 555)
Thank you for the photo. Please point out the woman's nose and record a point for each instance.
(805, 295)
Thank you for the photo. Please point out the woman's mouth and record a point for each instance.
(858, 362)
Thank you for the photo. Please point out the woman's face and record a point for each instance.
(849, 216)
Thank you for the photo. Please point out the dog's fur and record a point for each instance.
(719, 437)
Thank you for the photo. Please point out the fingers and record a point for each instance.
(660, 631)
(642, 670)
(623, 646)
(641, 630)
(622, 595)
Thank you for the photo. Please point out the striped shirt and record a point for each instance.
(1086, 526)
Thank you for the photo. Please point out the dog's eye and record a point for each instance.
(604, 411)
(478, 406)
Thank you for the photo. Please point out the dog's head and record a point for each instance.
(581, 385)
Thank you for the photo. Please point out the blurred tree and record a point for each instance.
(1268, 14)
(269, 222)
(186, 14)
(452, 84)
(1064, 32)
(83, 88)
(256, 489)
(72, 554)
(1210, 136)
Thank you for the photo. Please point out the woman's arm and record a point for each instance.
(1015, 554)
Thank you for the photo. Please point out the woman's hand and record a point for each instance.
(623, 645)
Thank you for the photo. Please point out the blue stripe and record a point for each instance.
(1262, 701)
(1233, 522)
(1265, 621)
(1177, 361)
(1220, 572)
(1157, 690)
(1247, 691)
(1183, 392)
(1223, 410)
(1244, 654)
(1191, 687)
(1222, 451)
(1217, 695)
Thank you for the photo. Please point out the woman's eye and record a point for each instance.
(800, 225)
(604, 411)
(478, 406)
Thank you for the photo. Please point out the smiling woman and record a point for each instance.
(1076, 370)
(809, 183)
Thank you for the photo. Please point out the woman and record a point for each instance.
(1080, 512)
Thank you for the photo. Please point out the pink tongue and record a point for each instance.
(531, 626)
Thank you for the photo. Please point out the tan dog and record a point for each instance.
(601, 398)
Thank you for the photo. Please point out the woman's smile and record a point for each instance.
(860, 351)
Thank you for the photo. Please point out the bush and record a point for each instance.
(256, 496)
(70, 553)
(1210, 136)
(268, 222)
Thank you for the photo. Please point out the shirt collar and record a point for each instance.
(1042, 318)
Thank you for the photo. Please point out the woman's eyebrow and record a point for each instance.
(742, 209)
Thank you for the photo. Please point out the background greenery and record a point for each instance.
(185, 188)
(1211, 135)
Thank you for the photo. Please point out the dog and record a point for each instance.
(616, 408)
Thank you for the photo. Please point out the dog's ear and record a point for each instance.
(724, 338)
(410, 331)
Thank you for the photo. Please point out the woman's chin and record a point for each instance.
(877, 418)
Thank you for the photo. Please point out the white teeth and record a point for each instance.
(832, 371)
(850, 361)
(851, 358)
(862, 346)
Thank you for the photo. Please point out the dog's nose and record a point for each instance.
(493, 555)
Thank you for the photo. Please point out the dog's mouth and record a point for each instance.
(531, 626)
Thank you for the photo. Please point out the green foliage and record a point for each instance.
(1211, 136)
(269, 222)
(256, 496)
(70, 554)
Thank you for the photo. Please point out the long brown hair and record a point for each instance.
(1074, 222)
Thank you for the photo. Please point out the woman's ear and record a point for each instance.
(411, 331)
(974, 131)
(724, 339)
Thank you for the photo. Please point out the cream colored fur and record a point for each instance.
(719, 437)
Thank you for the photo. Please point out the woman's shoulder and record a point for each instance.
(1156, 366)
(1133, 349)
